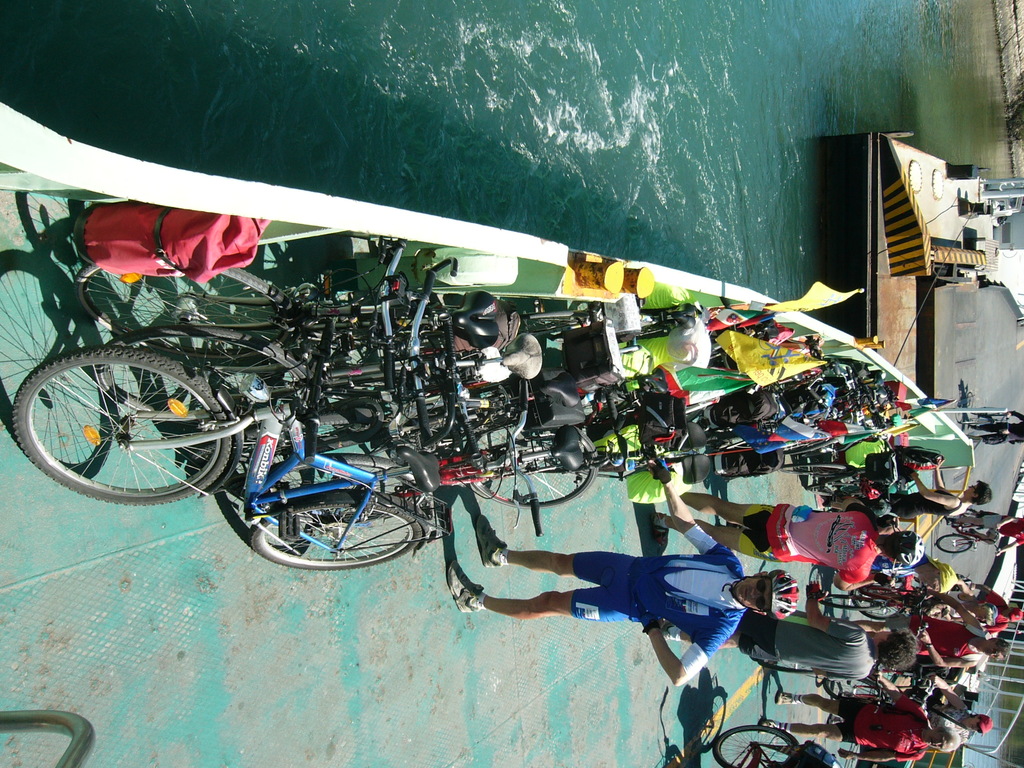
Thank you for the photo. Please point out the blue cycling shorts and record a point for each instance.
(612, 599)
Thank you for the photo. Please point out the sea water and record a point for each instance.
(682, 132)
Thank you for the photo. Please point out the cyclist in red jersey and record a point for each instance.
(846, 539)
(897, 731)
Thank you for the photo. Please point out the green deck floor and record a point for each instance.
(183, 648)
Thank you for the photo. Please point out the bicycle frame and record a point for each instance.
(263, 476)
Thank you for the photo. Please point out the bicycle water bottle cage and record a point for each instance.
(566, 448)
(424, 467)
(393, 288)
(476, 321)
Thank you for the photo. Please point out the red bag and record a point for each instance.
(154, 240)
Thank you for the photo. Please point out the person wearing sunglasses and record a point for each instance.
(705, 595)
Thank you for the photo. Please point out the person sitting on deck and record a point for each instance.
(897, 731)
(938, 500)
(846, 540)
(829, 646)
(705, 595)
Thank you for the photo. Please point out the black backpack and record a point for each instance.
(743, 408)
(748, 463)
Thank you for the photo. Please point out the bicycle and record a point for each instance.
(880, 602)
(966, 538)
(761, 746)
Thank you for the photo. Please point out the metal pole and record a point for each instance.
(75, 726)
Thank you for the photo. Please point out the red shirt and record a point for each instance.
(1014, 529)
(950, 638)
(846, 541)
(897, 727)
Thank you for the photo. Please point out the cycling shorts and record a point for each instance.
(612, 599)
(754, 539)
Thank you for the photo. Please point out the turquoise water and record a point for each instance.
(678, 131)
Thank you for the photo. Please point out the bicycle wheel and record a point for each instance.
(852, 602)
(233, 299)
(234, 356)
(881, 611)
(954, 543)
(554, 484)
(554, 322)
(77, 417)
(824, 471)
(750, 746)
(312, 535)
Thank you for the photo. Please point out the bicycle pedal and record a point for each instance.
(288, 525)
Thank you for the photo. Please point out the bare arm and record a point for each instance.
(966, 616)
(814, 615)
(848, 586)
(679, 516)
(890, 687)
(936, 658)
(947, 690)
(679, 670)
(1008, 547)
(938, 495)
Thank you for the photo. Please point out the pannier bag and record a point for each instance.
(662, 419)
(748, 463)
(592, 356)
(130, 237)
(919, 459)
(743, 408)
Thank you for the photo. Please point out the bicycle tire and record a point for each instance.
(554, 484)
(74, 415)
(851, 602)
(385, 532)
(233, 299)
(234, 356)
(731, 747)
(825, 471)
(955, 543)
(833, 688)
(554, 322)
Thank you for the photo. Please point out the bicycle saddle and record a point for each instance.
(695, 468)
(696, 437)
(476, 321)
(566, 448)
(424, 468)
(523, 356)
(562, 388)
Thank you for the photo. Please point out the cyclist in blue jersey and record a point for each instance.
(704, 595)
